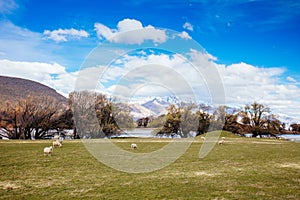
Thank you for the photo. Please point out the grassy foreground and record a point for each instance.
(242, 168)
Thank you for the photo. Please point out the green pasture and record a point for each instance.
(241, 168)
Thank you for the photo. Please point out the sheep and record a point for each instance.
(221, 141)
(223, 138)
(57, 143)
(202, 138)
(133, 146)
(48, 150)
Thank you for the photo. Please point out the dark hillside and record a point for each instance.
(14, 89)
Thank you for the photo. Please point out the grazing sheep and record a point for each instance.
(133, 146)
(48, 150)
(57, 143)
(202, 138)
(221, 141)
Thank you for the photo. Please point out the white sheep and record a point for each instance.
(223, 138)
(48, 150)
(133, 146)
(202, 138)
(56, 143)
(221, 141)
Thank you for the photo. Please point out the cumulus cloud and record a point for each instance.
(162, 74)
(150, 74)
(184, 35)
(245, 84)
(188, 26)
(63, 35)
(122, 33)
(51, 74)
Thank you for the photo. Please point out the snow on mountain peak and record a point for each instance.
(153, 106)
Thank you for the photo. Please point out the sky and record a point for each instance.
(252, 47)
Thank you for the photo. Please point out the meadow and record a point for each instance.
(241, 168)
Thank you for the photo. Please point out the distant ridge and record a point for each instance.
(14, 89)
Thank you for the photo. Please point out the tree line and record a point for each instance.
(254, 118)
(93, 115)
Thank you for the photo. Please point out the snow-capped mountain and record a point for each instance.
(288, 120)
(152, 107)
(138, 111)
(155, 106)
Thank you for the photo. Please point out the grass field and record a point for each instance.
(242, 168)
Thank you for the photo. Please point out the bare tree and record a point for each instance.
(30, 117)
(255, 116)
(97, 116)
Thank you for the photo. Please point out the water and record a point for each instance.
(149, 133)
(139, 132)
(291, 137)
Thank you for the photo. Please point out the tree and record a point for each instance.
(157, 122)
(96, 116)
(173, 120)
(85, 118)
(295, 127)
(231, 121)
(30, 117)
(255, 116)
(143, 122)
(204, 119)
(218, 118)
(272, 125)
(189, 119)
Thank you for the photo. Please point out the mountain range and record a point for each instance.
(158, 105)
(152, 108)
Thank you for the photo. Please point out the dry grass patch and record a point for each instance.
(8, 185)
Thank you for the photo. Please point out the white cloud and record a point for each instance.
(50, 74)
(63, 35)
(21, 44)
(188, 26)
(291, 79)
(154, 74)
(243, 83)
(123, 35)
(159, 74)
(184, 35)
(7, 6)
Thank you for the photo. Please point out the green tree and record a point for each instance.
(204, 119)
(189, 119)
(172, 124)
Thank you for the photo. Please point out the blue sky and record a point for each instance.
(257, 35)
(262, 33)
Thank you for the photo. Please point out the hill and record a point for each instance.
(13, 89)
